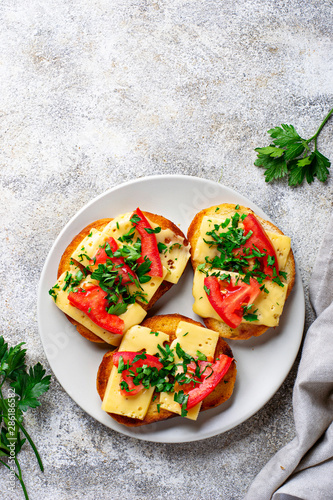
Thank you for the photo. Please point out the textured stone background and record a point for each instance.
(97, 92)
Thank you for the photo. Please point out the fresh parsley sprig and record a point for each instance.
(25, 386)
(290, 155)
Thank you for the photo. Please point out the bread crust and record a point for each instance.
(168, 323)
(244, 330)
(100, 225)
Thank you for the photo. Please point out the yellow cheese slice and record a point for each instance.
(130, 406)
(281, 244)
(134, 314)
(148, 289)
(269, 305)
(140, 337)
(192, 338)
(201, 305)
(87, 248)
(134, 340)
(175, 257)
(119, 226)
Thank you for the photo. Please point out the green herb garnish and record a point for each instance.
(25, 386)
(290, 155)
(149, 230)
(53, 291)
(162, 248)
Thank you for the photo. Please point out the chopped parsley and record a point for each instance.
(154, 333)
(53, 291)
(181, 398)
(135, 219)
(118, 308)
(175, 245)
(228, 238)
(71, 281)
(149, 230)
(128, 237)
(162, 248)
(173, 377)
(143, 269)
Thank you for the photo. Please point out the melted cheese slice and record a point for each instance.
(174, 258)
(134, 314)
(202, 249)
(192, 338)
(281, 243)
(269, 305)
(87, 248)
(148, 289)
(134, 340)
(119, 226)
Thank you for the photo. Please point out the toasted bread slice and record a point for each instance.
(168, 324)
(100, 225)
(244, 330)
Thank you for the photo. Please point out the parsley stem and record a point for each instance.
(327, 117)
(25, 432)
(33, 446)
(18, 477)
(6, 465)
(21, 479)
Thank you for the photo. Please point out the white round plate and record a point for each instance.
(262, 363)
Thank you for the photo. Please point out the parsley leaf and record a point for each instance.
(162, 248)
(30, 386)
(118, 308)
(181, 398)
(290, 156)
(143, 269)
(24, 387)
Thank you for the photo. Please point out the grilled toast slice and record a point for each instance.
(171, 238)
(220, 212)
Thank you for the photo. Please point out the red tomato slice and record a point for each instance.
(148, 245)
(92, 301)
(124, 271)
(101, 256)
(127, 375)
(209, 380)
(204, 371)
(260, 240)
(227, 299)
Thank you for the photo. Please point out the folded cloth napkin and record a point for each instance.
(303, 469)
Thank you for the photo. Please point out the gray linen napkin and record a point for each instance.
(303, 469)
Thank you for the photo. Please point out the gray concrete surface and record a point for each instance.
(94, 93)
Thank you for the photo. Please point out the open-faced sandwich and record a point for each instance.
(168, 366)
(114, 270)
(244, 270)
